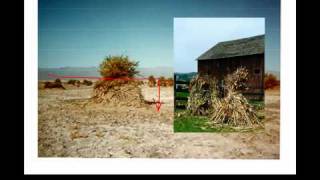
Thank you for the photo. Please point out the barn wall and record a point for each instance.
(219, 68)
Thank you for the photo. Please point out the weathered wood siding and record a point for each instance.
(219, 68)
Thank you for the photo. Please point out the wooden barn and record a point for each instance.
(225, 57)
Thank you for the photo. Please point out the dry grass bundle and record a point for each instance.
(234, 109)
(56, 84)
(202, 92)
(57, 81)
(119, 89)
(165, 82)
(162, 81)
(74, 82)
(151, 81)
(237, 80)
(118, 92)
(169, 82)
(87, 82)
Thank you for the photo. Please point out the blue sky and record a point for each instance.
(194, 36)
(81, 33)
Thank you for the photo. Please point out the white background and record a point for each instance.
(286, 164)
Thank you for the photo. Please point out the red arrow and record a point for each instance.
(158, 103)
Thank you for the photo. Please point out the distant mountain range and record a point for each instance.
(93, 71)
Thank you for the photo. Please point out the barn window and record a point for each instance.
(257, 71)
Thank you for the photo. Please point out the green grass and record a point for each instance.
(191, 124)
(184, 101)
(181, 102)
(188, 123)
(257, 104)
(182, 94)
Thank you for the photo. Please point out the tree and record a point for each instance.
(118, 67)
(270, 81)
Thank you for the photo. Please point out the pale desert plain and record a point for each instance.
(70, 127)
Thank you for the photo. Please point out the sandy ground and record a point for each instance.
(68, 127)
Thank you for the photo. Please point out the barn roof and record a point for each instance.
(239, 47)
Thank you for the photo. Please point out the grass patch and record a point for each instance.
(182, 94)
(181, 104)
(181, 100)
(257, 104)
(189, 123)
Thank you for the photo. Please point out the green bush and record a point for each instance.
(118, 67)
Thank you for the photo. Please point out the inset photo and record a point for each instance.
(220, 74)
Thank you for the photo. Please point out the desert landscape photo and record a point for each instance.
(159, 79)
(70, 127)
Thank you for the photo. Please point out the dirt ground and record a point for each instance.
(69, 127)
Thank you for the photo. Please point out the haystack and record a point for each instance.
(151, 81)
(202, 92)
(169, 82)
(162, 81)
(234, 109)
(118, 93)
(118, 87)
(87, 82)
(74, 82)
(56, 84)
